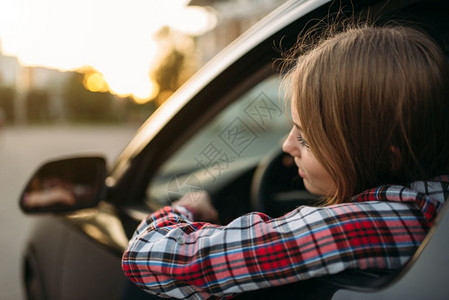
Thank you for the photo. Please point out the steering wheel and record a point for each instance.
(276, 186)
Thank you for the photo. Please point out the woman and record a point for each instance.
(370, 134)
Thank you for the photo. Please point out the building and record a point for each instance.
(21, 80)
(234, 18)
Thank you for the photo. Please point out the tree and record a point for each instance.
(177, 62)
(83, 105)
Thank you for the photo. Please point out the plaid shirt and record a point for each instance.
(172, 256)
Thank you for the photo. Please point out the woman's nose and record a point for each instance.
(289, 145)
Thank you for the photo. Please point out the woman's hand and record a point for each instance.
(201, 205)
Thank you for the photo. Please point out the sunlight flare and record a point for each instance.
(116, 38)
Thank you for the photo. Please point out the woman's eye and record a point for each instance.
(302, 141)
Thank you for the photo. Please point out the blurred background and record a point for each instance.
(81, 76)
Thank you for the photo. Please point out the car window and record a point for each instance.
(237, 138)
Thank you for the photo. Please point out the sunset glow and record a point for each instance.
(114, 37)
(95, 82)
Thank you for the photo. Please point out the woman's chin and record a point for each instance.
(311, 188)
(301, 173)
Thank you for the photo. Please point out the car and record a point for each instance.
(222, 132)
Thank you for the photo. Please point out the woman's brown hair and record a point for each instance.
(374, 107)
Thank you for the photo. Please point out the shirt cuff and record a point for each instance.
(186, 211)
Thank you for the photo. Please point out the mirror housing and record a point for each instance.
(65, 185)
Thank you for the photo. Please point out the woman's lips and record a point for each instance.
(300, 172)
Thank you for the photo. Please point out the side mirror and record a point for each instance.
(65, 185)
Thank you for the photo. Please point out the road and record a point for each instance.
(22, 150)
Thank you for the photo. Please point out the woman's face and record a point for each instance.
(316, 179)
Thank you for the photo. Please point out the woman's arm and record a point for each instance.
(172, 256)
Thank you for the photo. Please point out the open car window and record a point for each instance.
(235, 140)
